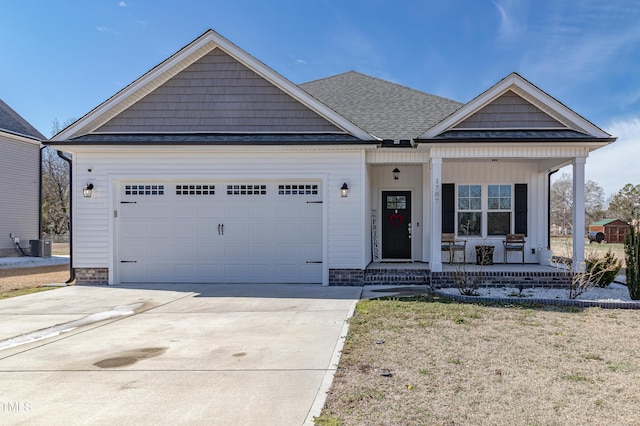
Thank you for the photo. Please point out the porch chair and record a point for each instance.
(514, 242)
(450, 244)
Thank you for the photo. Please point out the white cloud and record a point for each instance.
(122, 4)
(107, 30)
(506, 22)
(582, 39)
(617, 164)
(301, 62)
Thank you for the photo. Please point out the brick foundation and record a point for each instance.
(92, 276)
(397, 276)
(344, 277)
(505, 279)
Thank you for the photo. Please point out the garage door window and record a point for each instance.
(246, 189)
(144, 189)
(298, 189)
(195, 189)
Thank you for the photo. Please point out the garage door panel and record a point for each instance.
(256, 236)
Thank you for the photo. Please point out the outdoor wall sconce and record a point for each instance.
(396, 173)
(344, 190)
(87, 190)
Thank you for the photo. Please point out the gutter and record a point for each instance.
(72, 271)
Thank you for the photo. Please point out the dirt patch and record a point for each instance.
(18, 278)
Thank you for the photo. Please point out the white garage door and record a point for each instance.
(220, 232)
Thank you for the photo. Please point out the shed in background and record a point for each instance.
(614, 230)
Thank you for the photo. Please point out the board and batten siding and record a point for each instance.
(19, 191)
(218, 94)
(509, 111)
(504, 172)
(93, 217)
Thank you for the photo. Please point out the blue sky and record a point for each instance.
(59, 59)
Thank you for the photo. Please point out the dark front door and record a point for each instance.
(396, 225)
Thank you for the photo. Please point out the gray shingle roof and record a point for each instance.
(512, 135)
(218, 139)
(385, 109)
(12, 122)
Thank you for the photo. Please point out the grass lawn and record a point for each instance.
(470, 364)
(563, 246)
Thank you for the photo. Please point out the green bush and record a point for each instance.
(602, 271)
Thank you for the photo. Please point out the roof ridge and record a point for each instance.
(381, 80)
(18, 125)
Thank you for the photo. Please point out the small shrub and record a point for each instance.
(603, 270)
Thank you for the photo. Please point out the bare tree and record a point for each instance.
(562, 202)
(55, 188)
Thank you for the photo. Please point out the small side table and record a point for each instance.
(484, 255)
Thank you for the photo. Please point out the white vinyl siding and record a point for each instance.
(503, 173)
(19, 191)
(93, 217)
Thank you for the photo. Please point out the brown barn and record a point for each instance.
(614, 230)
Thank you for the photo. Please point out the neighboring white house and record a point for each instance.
(212, 167)
(19, 182)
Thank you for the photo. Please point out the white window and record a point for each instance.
(484, 210)
(499, 209)
(469, 209)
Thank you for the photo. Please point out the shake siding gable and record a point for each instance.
(217, 94)
(509, 111)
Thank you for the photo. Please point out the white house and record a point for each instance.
(19, 182)
(211, 167)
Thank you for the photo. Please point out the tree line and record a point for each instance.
(624, 205)
(55, 189)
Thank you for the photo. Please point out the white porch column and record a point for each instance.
(435, 262)
(578, 213)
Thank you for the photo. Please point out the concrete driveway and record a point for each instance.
(171, 354)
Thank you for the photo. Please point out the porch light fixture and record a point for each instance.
(87, 190)
(396, 173)
(344, 190)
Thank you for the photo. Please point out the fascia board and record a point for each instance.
(18, 137)
(529, 92)
(181, 60)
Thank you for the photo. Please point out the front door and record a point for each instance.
(396, 225)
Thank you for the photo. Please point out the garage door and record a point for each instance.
(220, 232)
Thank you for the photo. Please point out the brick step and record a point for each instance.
(397, 276)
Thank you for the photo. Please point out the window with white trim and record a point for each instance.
(498, 209)
(484, 210)
(470, 210)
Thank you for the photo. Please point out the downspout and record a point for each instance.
(72, 271)
(549, 208)
(40, 197)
